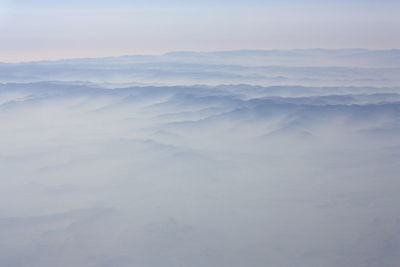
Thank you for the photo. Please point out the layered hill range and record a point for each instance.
(225, 159)
(315, 67)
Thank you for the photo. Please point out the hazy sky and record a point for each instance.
(44, 29)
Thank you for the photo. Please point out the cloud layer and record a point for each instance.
(99, 173)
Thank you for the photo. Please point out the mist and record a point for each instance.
(201, 161)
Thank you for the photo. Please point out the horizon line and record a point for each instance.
(194, 52)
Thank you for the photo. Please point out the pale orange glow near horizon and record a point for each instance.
(48, 30)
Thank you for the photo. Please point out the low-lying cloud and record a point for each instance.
(197, 175)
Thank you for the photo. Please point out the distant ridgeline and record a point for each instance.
(313, 67)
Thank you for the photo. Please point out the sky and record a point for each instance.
(43, 29)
